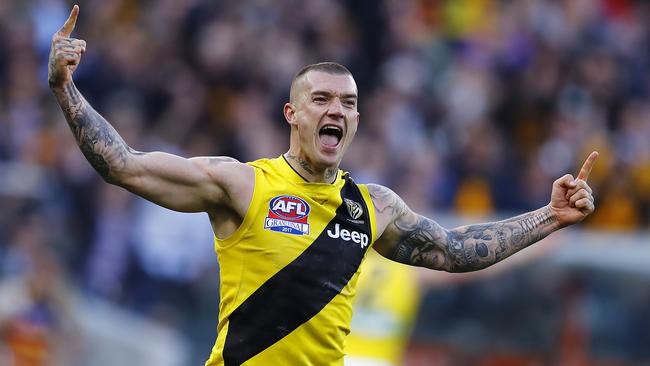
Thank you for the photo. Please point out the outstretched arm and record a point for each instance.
(181, 184)
(413, 239)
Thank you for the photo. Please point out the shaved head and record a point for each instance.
(326, 67)
(323, 115)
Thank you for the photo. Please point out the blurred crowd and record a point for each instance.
(467, 106)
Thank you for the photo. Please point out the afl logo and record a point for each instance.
(289, 207)
(288, 214)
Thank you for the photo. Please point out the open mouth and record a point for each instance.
(330, 135)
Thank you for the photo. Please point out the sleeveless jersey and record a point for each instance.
(288, 273)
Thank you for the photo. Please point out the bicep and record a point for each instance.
(416, 240)
(178, 183)
(408, 237)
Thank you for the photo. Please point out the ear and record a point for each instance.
(290, 113)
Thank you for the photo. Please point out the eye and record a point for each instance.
(349, 103)
(320, 99)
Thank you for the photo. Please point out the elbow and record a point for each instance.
(464, 269)
(126, 181)
(110, 164)
(102, 167)
(113, 173)
(116, 178)
(111, 179)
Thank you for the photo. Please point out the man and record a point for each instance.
(292, 231)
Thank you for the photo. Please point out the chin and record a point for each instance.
(328, 159)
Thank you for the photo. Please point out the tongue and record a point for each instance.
(329, 140)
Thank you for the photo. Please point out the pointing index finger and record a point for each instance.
(68, 26)
(586, 167)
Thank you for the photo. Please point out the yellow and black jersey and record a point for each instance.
(288, 273)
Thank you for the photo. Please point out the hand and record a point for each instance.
(65, 53)
(571, 199)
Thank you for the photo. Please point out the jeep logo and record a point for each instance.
(347, 235)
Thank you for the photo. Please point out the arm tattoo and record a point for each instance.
(420, 241)
(100, 143)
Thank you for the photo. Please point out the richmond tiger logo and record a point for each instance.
(354, 209)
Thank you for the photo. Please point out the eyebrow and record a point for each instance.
(328, 93)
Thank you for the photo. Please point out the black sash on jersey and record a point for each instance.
(302, 288)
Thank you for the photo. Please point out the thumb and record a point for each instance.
(69, 24)
(566, 181)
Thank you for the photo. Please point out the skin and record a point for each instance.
(319, 99)
(220, 186)
(223, 187)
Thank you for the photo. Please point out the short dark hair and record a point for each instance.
(326, 67)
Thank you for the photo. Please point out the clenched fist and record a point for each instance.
(571, 199)
(65, 53)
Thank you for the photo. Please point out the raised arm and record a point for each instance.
(196, 184)
(413, 239)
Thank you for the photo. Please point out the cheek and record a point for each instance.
(351, 133)
(307, 123)
(305, 131)
(352, 127)
(353, 118)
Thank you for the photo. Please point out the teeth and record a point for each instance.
(331, 128)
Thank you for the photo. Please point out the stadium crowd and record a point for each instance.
(467, 106)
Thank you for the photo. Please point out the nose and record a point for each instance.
(335, 109)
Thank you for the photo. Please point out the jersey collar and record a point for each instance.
(294, 176)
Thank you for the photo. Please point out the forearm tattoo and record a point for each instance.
(420, 241)
(100, 143)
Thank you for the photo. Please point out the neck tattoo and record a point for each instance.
(302, 162)
(327, 175)
(330, 173)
